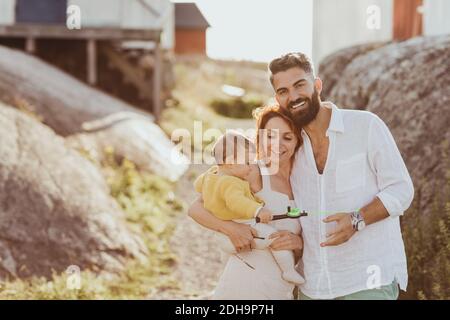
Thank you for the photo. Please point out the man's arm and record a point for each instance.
(241, 235)
(371, 213)
(374, 211)
(394, 182)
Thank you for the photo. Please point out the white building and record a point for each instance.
(338, 24)
(436, 17)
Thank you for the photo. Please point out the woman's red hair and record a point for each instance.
(264, 114)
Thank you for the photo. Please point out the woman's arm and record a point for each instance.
(241, 235)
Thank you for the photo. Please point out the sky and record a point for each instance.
(257, 30)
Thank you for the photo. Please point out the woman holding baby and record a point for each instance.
(261, 261)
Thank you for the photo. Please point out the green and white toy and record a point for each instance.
(290, 214)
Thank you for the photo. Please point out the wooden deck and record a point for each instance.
(62, 32)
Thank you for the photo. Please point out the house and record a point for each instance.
(343, 23)
(190, 29)
(106, 27)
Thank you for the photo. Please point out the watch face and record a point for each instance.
(361, 224)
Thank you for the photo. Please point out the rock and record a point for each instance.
(331, 67)
(55, 208)
(407, 84)
(65, 104)
(133, 137)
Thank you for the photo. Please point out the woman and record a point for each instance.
(254, 274)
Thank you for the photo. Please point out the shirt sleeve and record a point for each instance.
(393, 179)
(237, 201)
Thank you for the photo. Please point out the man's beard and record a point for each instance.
(305, 117)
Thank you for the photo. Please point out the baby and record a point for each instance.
(226, 193)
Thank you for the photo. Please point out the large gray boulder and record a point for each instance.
(55, 208)
(407, 84)
(132, 137)
(63, 102)
(331, 67)
(71, 107)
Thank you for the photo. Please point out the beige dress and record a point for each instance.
(238, 280)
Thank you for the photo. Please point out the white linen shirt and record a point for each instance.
(363, 163)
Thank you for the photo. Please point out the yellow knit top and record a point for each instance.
(227, 197)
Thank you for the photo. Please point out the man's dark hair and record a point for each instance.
(291, 60)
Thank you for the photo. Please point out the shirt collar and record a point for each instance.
(336, 122)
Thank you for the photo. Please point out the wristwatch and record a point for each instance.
(357, 221)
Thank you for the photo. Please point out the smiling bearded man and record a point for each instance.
(349, 175)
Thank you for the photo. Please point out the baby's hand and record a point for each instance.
(265, 216)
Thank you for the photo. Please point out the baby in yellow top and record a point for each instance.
(227, 194)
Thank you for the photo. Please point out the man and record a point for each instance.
(351, 179)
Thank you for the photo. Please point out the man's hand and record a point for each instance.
(241, 235)
(343, 232)
(285, 240)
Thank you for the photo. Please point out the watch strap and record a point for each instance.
(356, 218)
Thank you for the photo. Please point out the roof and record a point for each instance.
(188, 15)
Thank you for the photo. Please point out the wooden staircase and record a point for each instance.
(131, 74)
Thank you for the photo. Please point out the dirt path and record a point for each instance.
(199, 262)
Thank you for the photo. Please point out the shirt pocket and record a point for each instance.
(351, 173)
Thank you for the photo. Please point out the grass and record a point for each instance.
(427, 243)
(198, 83)
(239, 108)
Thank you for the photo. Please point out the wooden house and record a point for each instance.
(190, 29)
(96, 50)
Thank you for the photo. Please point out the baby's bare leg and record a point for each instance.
(286, 261)
(284, 258)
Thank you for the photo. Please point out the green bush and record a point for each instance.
(147, 199)
(240, 108)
